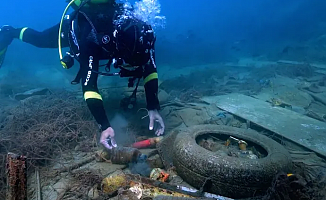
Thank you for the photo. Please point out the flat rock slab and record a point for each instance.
(298, 128)
(33, 92)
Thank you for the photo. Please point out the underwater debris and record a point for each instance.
(232, 177)
(118, 155)
(294, 70)
(147, 188)
(151, 142)
(17, 177)
(159, 174)
(84, 184)
(279, 103)
(43, 131)
(214, 144)
(291, 186)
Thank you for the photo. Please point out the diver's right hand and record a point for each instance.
(7, 34)
(107, 138)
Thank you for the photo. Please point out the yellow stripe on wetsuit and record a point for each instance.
(92, 95)
(21, 35)
(150, 77)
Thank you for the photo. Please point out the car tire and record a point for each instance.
(225, 175)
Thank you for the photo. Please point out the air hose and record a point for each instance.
(60, 27)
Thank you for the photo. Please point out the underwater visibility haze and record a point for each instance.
(224, 96)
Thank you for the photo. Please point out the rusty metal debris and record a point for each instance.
(242, 144)
(145, 188)
(150, 142)
(38, 183)
(278, 102)
(244, 153)
(118, 155)
(16, 177)
(159, 175)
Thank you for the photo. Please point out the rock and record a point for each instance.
(127, 92)
(60, 186)
(34, 92)
(77, 147)
(31, 99)
(176, 116)
(320, 97)
(171, 118)
(232, 82)
(315, 116)
(163, 96)
(103, 168)
(192, 117)
(303, 84)
(314, 88)
(317, 107)
(48, 193)
(115, 173)
(127, 195)
(298, 109)
(155, 162)
(287, 95)
(93, 193)
(227, 119)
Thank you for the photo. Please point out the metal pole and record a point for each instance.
(16, 177)
(38, 182)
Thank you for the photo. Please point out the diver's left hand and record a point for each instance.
(154, 116)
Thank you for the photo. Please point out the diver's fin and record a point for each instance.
(2, 56)
(6, 37)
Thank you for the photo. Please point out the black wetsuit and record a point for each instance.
(92, 49)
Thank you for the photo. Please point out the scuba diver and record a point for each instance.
(92, 34)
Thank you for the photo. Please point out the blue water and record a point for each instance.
(190, 35)
(195, 32)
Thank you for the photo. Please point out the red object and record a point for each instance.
(142, 144)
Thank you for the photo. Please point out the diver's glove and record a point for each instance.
(107, 138)
(154, 116)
